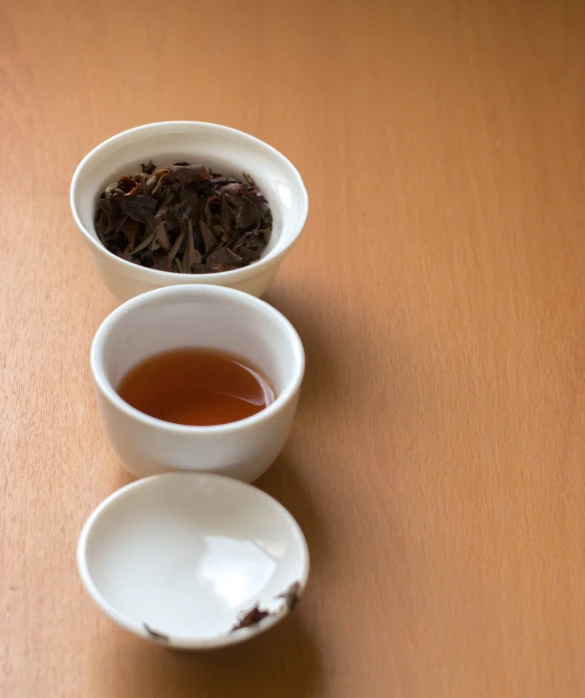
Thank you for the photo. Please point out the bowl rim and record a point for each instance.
(105, 386)
(181, 641)
(173, 277)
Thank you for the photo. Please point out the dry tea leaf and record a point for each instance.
(291, 595)
(251, 617)
(184, 218)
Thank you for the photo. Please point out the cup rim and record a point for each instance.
(173, 277)
(105, 386)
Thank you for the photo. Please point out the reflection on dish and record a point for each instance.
(285, 195)
(237, 570)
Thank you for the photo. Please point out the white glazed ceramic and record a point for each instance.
(225, 150)
(205, 316)
(187, 554)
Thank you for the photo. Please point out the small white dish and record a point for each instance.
(179, 558)
(197, 316)
(226, 151)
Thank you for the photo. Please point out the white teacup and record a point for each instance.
(197, 316)
(225, 150)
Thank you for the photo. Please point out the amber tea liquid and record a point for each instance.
(196, 387)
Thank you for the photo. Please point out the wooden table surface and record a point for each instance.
(436, 464)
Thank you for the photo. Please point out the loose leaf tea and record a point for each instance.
(256, 614)
(161, 637)
(184, 218)
(291, 595)
(251, 617)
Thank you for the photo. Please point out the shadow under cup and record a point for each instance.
(197, 316)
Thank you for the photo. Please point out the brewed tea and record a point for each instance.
(196, 387)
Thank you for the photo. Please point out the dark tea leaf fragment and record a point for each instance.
(184, 218)
(161, 637)
(257, 614)
(251, 617)
(138, 207)
(291, 595)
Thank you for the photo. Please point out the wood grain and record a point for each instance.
(436, 464)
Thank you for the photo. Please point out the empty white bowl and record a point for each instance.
(179, 558)
(223, 149)
(197, 316)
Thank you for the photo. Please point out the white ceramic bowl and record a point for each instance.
(178, 558)
(197, 316)
(225, 150)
